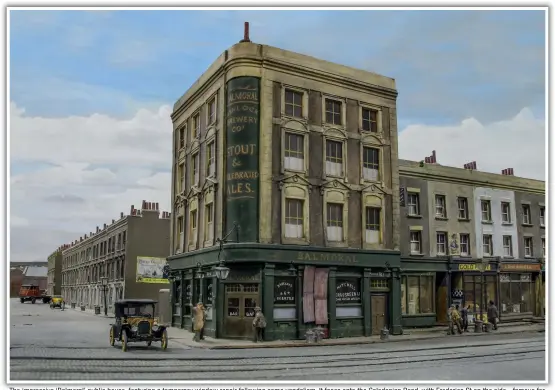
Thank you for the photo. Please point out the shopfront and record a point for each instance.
(347, 292)
(473, 285)
(517, 282)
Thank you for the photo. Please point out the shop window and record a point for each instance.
(233, 307)
(517, 293)
(250, 305)
(253, 288)
(418, 294)
(477, 293)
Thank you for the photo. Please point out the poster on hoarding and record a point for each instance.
(152, 270)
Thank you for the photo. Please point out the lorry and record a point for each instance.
(30, 292)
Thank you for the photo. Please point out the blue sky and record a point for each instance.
(93, 90)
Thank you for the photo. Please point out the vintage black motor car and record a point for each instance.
(135, 322)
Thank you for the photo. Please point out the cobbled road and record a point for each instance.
(52, 345)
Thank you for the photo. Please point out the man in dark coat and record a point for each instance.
(259, 324)
(464, 315)
(493, 315)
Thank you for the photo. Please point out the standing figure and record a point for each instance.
(258, 323)
(198, 321)
(493, 315)
(450, 318)
(457, 319)
(464, 315)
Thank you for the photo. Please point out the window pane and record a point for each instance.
(426, 294)
(404, 295)
(413, 295)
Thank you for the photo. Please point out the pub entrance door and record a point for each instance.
(379, 312)
(240, 301)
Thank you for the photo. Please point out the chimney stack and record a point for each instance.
(431, 159)
(113, 221)
(157, 206)
(144, 205)
(508, 172)
(121, 215)
(470, 165)
(105, 226)
(246, 33)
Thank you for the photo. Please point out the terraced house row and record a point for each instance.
(123, 259)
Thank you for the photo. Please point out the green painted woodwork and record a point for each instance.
(349, 327)
(419, 321)
(332, 284)
(367, 303)
(241, 195)
(268, 301)
(395, 304)
(424, 264)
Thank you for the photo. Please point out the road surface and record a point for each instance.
(53, 345)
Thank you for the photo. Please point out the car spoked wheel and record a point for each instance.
(112, 339)
(124, 341)
(148, 343)
(164, 342)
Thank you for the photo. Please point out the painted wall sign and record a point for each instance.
(242, 156)
(520, 267)
(474, 267)
(348, 291)
(454, 248)
(325, 256)
(284, 291)
(152, 270)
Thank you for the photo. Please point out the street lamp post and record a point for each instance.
(104, 280)
(200, 276)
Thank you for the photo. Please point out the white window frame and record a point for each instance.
(294, 231)
(463, 211)
(441, 243)
(301, 192)
(543, 247)
(209, 222)
(487, 240)
(193, 228)
(542, 216)
(526, 214)
(182, 137)
(440, 206)
(211, 158)
(195, 125)
(487, 211)
(379, 120)
(291, 163)
(342, 110)
(304, 93)
(506, 212)
(415, 205)
(528, 247)
(335, 231)
(507, 246)
(343, 146)
(371, 172)
(212, 119)
(415, 237)
(195, 168)
(180, 232)
(369, 228)
(466, 237)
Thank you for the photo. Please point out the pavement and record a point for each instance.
(55, 345)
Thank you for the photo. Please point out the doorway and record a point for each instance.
(379, 313)
(442, 297)
(240, 302)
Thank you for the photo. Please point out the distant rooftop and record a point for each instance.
(36, 272)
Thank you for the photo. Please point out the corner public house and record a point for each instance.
(302, 282)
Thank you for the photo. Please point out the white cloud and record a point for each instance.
(89, 169)
(518, 143)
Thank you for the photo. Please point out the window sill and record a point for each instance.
(417, 254)
(414, 216)
(542, 226)
(293, 117)
(465, 256)
(342, 176)
(303, 171)
(336, 244)
(506, 223)
(438, 218)
(527, 224)
(294, 241)
(464, 219)
(528, 257)
(364, 131)
(509, 257)
(487, 222)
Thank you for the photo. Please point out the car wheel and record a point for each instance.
(124, 341)
(112, 338)
(52, 307)
(33, 301)
(148, 343)
(21, 300)
(164, 342)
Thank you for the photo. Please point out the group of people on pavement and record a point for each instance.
(459, 319)
(199, 320)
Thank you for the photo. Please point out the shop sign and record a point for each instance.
(474, 267)
(325, 256)
(520, 267)
(454, 245)
(209, 293)
(284, 291)
(348, 291)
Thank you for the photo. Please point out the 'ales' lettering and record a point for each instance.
(240, 188)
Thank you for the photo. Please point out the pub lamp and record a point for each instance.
(221, 271)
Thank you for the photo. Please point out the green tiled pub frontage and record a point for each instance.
(362, 296)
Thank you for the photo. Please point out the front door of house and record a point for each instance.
(379, 305)
(240, 302)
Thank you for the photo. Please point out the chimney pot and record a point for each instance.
(121, 214)
(157, 206)
(105, 226)
(144, 205)
(113, 221)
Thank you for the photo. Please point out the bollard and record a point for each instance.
(384, 334)
(97, 310)
(82, 307)
(489, 327)
(309, 335)
(319, 333)
(478, 326)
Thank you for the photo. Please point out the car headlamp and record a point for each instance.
(134, 329)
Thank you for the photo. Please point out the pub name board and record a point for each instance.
(284, 291)
(474, 267)
(347, 291)
(520, 267)
(242, 155)
(324, 256)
